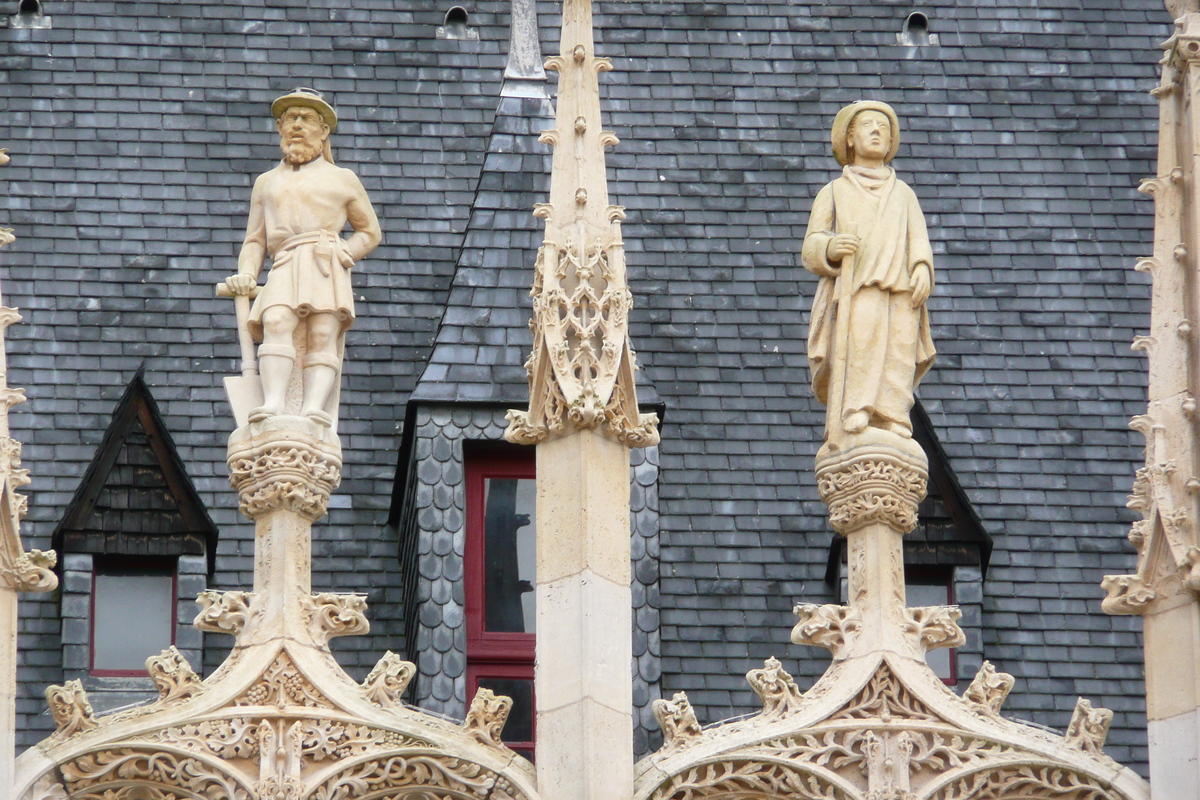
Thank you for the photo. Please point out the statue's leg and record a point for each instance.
(865, 356)
(321, 365)
(275, 359)
(899, 373)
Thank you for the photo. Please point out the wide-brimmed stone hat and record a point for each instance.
(309, 98)
(841, 126)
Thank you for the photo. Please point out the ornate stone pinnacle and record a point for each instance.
(581, 370)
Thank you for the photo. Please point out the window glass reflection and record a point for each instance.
(509, 554)
(132, 618)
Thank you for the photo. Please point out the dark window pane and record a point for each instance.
(132, 618)
(508, 530)
(519, 727)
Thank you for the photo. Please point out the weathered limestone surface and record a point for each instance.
(1165, 587)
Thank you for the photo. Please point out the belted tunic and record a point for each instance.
(297, 214)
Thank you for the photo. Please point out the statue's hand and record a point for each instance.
(241, 284)
(840, 246)
(922, 285)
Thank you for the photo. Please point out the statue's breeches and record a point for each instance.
(881, 355)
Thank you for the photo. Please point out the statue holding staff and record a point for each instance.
(869, 343)
(297, 213)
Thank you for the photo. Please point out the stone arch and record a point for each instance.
(735, 777)
(411, 774)
(1023, 781)
(139, 772)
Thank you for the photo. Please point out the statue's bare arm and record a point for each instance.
(254, 247)
(361, 216)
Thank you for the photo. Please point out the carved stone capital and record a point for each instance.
(32, 571)
(330, 615)
(989, 689)
(173, 676)
(776, 688)
(1089, 728)
(830, 626)
(486, 717)
(678, 722)
(932, 627)
(281, 468)
(223, 612)
(870, 484)
(70, 708)
(388, 680)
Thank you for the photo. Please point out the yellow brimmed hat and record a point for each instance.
(841, 126)
(309, 98)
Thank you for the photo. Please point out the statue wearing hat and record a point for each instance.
(869, 342)
(298, 211)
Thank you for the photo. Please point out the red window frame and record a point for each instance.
(169, 566)
(492, 654)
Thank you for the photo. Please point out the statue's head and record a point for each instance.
(304, 121)
(868, 129)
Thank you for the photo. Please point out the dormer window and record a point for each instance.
(455, 25)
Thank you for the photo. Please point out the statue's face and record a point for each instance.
(302, 134)
(870, 135)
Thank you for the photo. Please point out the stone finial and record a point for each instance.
(70, 708)
(775, 688)
(330, 615)
(388, 680)
(223, 612)
(830, 626)
(581, 369)
(486, 717)
(1089, 728)
(173, 676)
(678, 722)
(934, 627)
(989, 689)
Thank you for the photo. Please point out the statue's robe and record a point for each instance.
(889, 347)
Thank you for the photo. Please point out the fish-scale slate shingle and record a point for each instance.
(137, 129)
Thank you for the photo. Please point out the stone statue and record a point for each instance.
(869, 342)
(297, 213)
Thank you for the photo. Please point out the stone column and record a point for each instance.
(1165, 588)
(583, 417)
(19, 571)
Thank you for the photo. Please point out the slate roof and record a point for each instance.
(137, 128)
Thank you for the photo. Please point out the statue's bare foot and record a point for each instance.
(857, 421)
(261, 413)
(900, 430)
(320, 417)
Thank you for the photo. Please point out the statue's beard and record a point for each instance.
(300, 152)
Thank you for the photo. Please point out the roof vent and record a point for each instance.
(30, 14)
(455, 25)
(916, 31)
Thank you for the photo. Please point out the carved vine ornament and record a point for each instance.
(881, 728)
(273, 723)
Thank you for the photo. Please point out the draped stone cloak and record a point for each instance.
(883, 211)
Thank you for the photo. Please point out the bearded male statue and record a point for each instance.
(297, 213)
(869, 342)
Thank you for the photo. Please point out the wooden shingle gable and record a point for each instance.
(135, 498)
